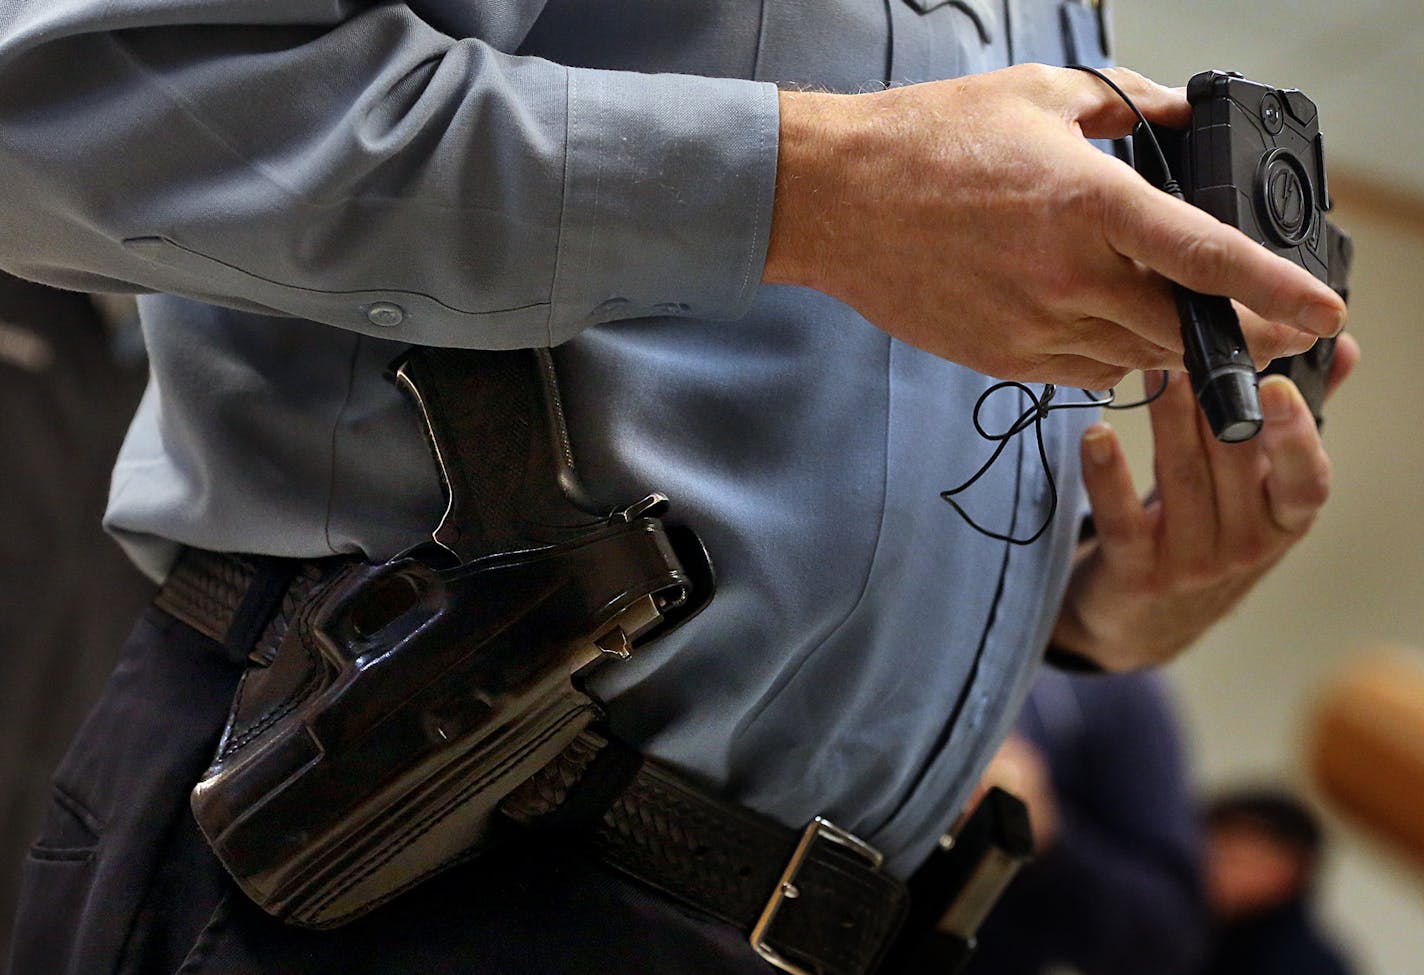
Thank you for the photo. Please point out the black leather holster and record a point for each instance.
(373, 743)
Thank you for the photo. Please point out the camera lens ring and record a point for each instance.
(1285, 200)
(1273, 113)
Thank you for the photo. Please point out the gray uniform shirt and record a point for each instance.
(305, 187)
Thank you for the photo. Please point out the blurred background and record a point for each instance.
(1357, 583)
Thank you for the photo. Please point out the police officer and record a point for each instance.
(778, 306)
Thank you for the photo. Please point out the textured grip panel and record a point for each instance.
(495, 426)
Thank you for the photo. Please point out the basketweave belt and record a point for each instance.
(810, 901)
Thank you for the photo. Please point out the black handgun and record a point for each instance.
(407, 699)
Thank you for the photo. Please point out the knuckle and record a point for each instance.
(1034, 79)
(1248, 551)
(1108, 377)
(1150, 357)
(1100, 203)
(1007, 363)
(1182, 471)
(1280, 341)
(1316, 490)
(1039, 368)
(1039, 74)
(1308, 493)
(1296, 342)
(1153, 583)
(1197, 572)
(1208, 257)
(1296, 521)
(1129, 80)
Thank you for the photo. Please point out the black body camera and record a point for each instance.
(1252, 157)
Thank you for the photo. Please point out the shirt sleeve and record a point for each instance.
(353, 165)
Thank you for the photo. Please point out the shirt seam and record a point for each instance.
(789, 677)
(335, 436)
(556, 278)
(750, 257)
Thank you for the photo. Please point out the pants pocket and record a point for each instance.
(119, 801)
(58, 872)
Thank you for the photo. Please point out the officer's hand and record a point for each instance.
(1160, 572)
(971, 218)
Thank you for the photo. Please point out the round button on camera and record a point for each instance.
(1284, 199)
(1273, 113)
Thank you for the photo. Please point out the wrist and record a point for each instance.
(1081, 645)
(809, 184)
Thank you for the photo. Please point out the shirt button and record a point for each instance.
(608, 307)
(385, 314)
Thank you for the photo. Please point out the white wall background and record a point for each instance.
(1358, 581)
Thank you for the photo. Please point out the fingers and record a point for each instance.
(1236, 506)
(1076, 371)
(1114, 345)
(1118, 515)
(1141, 301)
(1102, 114)
(1347, 356)
(1299, 479)
(1270, 340)
(1184, 480)
(1246, 534)
(1193, 248)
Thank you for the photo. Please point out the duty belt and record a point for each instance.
(813, 901)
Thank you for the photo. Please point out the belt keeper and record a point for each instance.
(585, 801)
(272, 577)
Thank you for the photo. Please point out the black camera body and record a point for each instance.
(1310, 371)
(1253, 157)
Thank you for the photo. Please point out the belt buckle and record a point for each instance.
(816, 830)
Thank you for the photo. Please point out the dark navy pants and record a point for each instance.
(121, 881)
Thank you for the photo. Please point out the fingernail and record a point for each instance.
(1098, 442)
(1277, 397)
(1323, 319)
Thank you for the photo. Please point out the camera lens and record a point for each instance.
(1284, 198)
(1272, 113)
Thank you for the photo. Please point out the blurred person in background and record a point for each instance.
(1263, 853)
(71, 372)
(1115, 888)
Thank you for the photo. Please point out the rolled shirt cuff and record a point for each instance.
(668, 187)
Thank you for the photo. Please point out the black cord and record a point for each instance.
(1145, 401)
(1032, 417)
(1169, 184)
(1040, 408)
